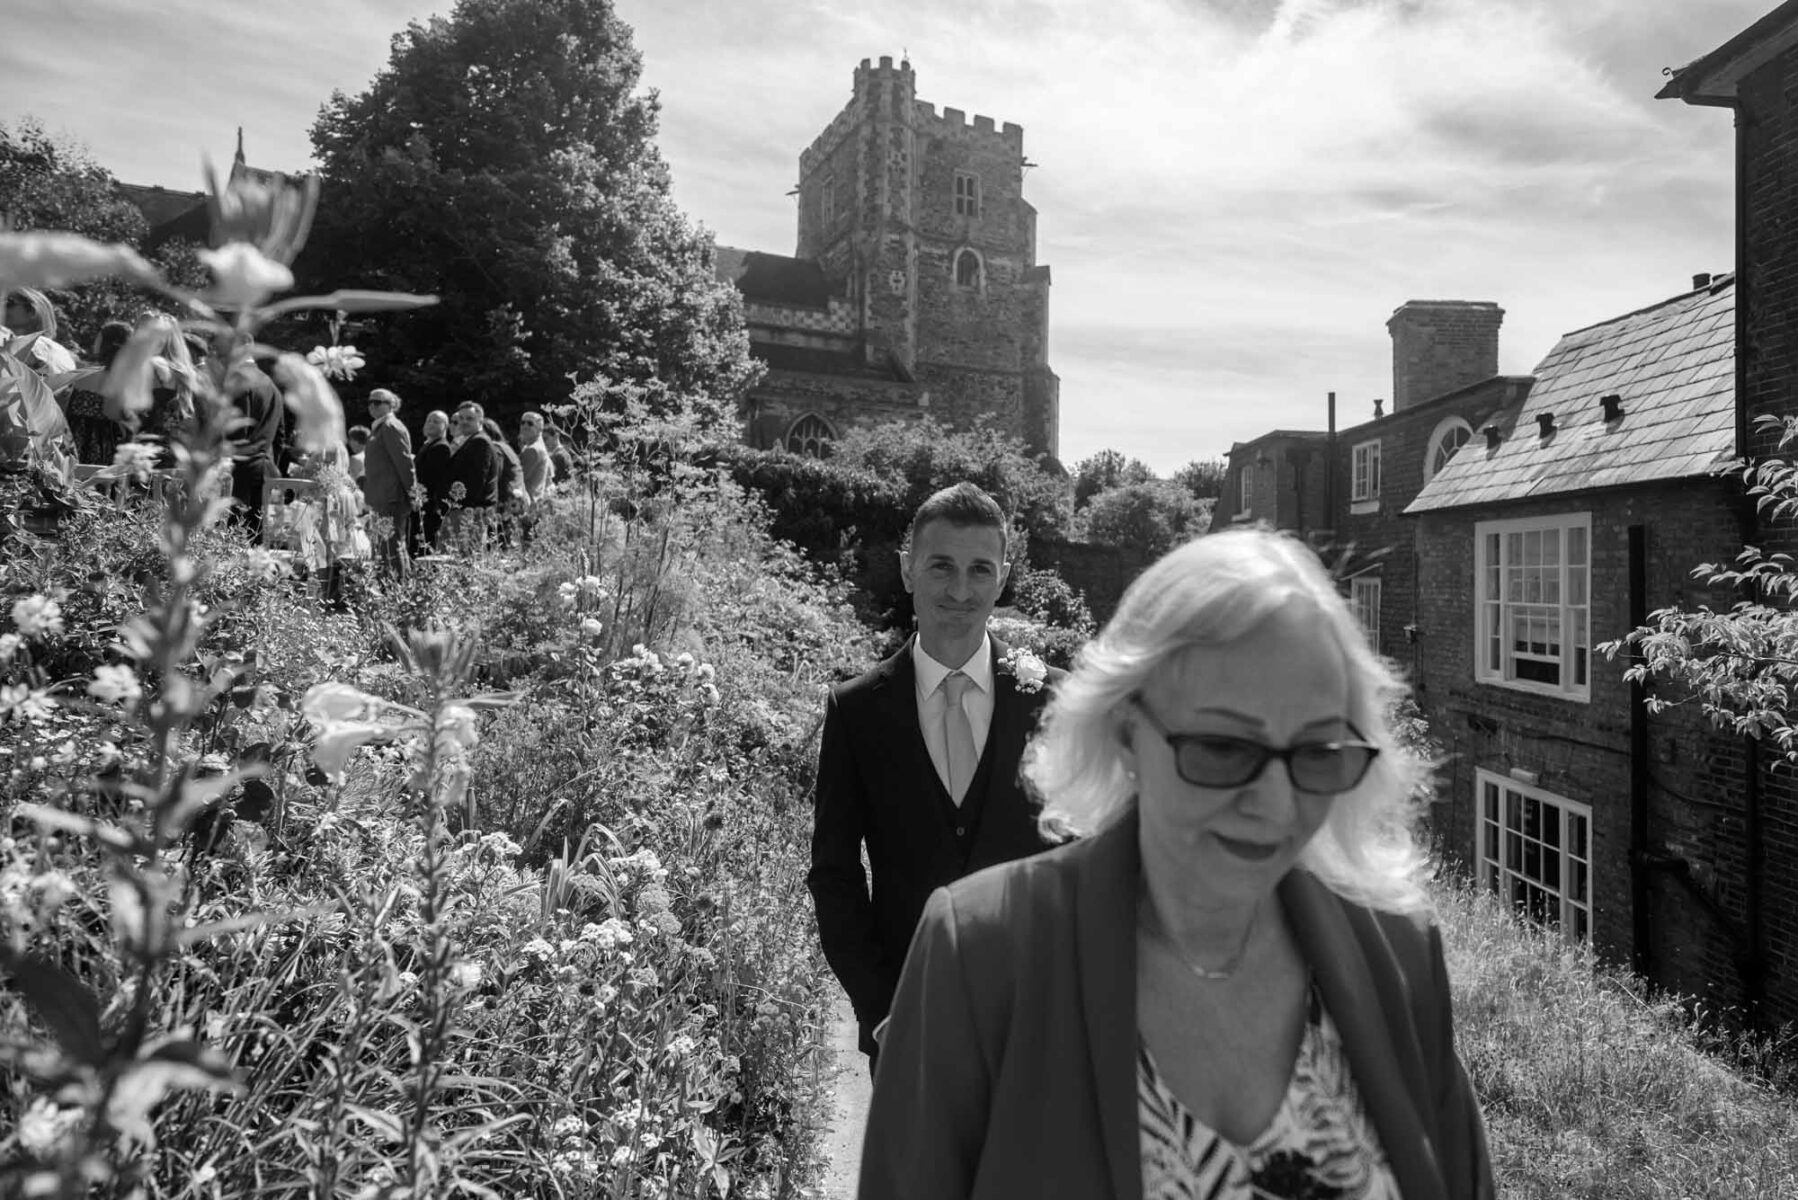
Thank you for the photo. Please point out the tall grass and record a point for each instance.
(1590, 1089)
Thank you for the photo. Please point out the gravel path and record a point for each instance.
(849, 1106)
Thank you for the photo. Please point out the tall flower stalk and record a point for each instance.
(105, 1084)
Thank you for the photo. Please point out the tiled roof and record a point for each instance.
(1673, 365)
(774, 278)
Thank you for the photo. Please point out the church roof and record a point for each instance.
(1672, 370)
(774, 278)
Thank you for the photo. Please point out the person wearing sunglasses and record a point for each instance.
(1230, 986)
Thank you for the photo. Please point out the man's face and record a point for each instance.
(531, 428)
(380, 408)
(465, 422)
(954, 574)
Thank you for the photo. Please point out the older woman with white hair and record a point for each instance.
(1230, 987)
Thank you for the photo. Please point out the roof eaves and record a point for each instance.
(1712, 79)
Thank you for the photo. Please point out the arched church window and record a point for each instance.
(967, 269)
(1449, 436)
(811, 436)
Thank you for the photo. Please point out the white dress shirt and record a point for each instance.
(977, 702)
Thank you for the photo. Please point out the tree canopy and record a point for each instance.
(1106, 470)
(504, 161)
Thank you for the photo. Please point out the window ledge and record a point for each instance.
(1360, 508)
(1536, 689)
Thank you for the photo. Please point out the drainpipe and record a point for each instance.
(1638, 760)
(1753, 965)
(1743, 427)
(1330, 471)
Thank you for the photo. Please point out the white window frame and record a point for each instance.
(1245, 485)
(967, 194)
(1521, 594)
(1364, 476)
(1364, 599)
(1438, 435)
(1534, 865)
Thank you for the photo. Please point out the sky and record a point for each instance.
(1233, 195)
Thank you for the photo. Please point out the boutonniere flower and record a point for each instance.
(1027, 669)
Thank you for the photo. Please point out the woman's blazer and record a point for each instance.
(1009, 1067)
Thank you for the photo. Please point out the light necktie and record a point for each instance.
(958, 735)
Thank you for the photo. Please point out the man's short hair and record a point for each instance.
(480, 414)
(358, 435)
(964, 505)
(383, 396)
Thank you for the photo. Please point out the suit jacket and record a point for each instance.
(475, 465)
(876, 784)
(387, 466)
(1009, 1066)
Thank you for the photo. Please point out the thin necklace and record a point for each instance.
(1151, 924)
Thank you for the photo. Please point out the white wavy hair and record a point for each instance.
(1209, 592)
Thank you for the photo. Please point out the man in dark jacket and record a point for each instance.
(387, 478)
(920, 756)
(474, 480)
(253, 442)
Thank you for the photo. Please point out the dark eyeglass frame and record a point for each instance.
(1286, 754)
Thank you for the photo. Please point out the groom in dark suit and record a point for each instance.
(920, 756)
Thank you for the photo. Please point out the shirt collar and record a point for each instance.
(930, 672)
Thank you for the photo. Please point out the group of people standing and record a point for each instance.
(465, 484)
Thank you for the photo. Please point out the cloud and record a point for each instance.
(1233, 194)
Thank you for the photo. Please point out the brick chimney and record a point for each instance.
(1439, 346)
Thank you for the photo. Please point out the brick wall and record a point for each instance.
(1581, 751)
(1287, 483)
(1440, 346)
(1767, 354)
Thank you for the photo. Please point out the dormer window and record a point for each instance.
(967, 194)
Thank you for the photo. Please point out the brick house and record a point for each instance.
(1560, 527)
(915, 288)
(1755, 74)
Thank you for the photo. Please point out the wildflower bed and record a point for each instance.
(513, 907)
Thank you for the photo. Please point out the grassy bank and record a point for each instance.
(1590, 1090)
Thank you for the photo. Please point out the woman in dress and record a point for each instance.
(28, 311)
(1231, 986)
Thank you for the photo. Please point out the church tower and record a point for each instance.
(922, 222)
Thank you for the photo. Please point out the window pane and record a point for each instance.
(1582, 924)
(1551, 547)
(1578, 884)
(1576, 836)
(1576, 546)
(1491, 798)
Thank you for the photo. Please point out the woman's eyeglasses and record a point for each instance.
(1220, 761)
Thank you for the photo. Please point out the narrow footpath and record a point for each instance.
(850, 1089)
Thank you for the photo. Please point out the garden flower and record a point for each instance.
(539, 948)
(457, 726)
(654, 899)
(609, 934)
(326, 702)
(9, 645)
(244, 276)
(273, 214)
(131, 377)
(43, 1127)
(466, 975)
(681, 1047)
(500, 845)
(134, 460)
(337, 362)
(37, 616)
(261, 564)
(20, 701)
(315, 406)
(52, 259)
(592, 627)
(114, 684)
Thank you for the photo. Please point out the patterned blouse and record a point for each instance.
(1321, 1145)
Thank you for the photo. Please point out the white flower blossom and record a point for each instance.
(500, 845)
(316, 408)
(134, 460)
(609, 934)
(37, 616)
(458, 726)
(20, 701)
(539, 948)
(244, 276)
(337, 362)
(681, 1047)
(115, 684)
(466, 975)
(592, 627)
(44, 1126)
(9, 646)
